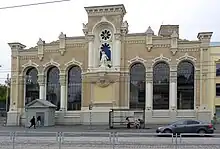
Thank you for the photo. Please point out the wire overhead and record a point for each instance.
(33, 4)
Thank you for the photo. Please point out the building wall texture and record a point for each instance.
(109, 88)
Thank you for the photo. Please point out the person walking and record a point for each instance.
(33, 123)
(214, 121)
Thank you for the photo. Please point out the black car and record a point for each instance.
(187, 126)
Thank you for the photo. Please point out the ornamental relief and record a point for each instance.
(103, 82)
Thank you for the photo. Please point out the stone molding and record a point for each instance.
(161, 58)
(51, 63)
(137, 59)
(30, 64)
(72, 63)
(186, 57)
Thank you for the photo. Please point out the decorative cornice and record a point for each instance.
(161, 46)
(27, 57)
(189, 49)
(78, 45)
(105, 10)
(51, 50)
(135, 41)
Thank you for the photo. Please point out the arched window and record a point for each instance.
(74, 88)
(53, 86)
(31, 85)
(185, 85)
(161, 79)
(137, 86)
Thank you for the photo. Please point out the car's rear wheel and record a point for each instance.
(167, 131)
(202, 131)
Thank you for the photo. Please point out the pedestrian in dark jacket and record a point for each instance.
(33, 123)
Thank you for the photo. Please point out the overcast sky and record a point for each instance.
(27, 24)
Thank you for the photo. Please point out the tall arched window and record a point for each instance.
(53, 86)
(161, 79)
(137, 86)
(185, 85)
(74, 88)
(31, 85)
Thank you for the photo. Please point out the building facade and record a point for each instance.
(111, 68)
(213, 79)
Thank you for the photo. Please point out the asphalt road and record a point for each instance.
(107, 143)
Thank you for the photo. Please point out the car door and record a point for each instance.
(191, 126)
(179, 127)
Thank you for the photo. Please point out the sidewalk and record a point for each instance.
(83, 128)
(80, 128)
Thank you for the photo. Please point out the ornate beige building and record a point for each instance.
(111, 68)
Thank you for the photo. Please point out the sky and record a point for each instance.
(27, 24)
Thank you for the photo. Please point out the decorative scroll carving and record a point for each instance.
(103, 82)
(85, 28)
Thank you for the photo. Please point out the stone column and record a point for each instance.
(41, 82)
(13, 95)
(149, 90)
(117, 51)
(173, 88)
(90, 39)
(62, 91)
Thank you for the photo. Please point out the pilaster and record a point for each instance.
(41, 82)
(63, 92)
(173, 88)
(149, 88)
(117, 51)
(91, 52)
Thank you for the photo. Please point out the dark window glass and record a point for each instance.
(191, 122)
(74, 88)
(217, 89)
(137, 86)
(217, 69)
(161, 78)
(185, 85)
(180, 122)
(32, 87)
(53, 86)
